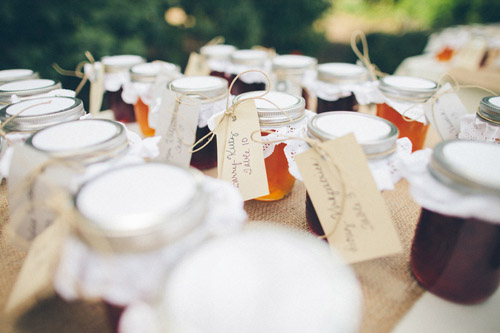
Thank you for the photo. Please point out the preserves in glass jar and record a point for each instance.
(243, 60)
(10, 75)
(18, 90)
(455, 253)
(288, 73)
(217, 57)
(485, 124)
(403, 97)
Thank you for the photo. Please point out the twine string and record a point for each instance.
(374, 71)
(14, 116)
(77, 72)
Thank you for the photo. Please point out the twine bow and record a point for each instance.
(374, 71)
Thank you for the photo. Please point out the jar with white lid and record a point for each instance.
(217, 57)
(263, 279)
(455, 252)
(17, 74)
(116, 74)
(140, 91)
(244, 60)
(134, 224)
(288, 72)
(289, 120)
(211, 93)
(403, 105)
(485, 124)
(377, 137)
(15, 91)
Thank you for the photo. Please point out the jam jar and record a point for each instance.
(116, 73)
(211, 93)
(18, 90)
(288, 72)
(217, 57)
(376, 136)
(404, 96)
(284, 120)
(243, 60)
(485, 124)
(17, 74)
(140, 91)
(455, 252)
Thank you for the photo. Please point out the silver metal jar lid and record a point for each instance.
(340, 72)
(147, 72)
(88, 141)
(27, 88)
(293, 62)
(140, 207)
(202, 87)
(120, 63)
(489, 109)
(410, 88)
(467, 165)
(41, 112)
(376, 135)
(218, 51)
(10, 75)
(249, 57)
(291, 107)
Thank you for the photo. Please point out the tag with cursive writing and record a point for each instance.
(446, 114)
(365, 230)
(177, 124)
(197, 65)
(240, 159)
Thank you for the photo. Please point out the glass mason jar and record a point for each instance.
(456, 249)
(292, 111)
(485, 124)
(18, 90)
(211, 93)
(243, 60)
(376, 136)
(289, 70)
(217, 57)
(116, 73)
(402, 95)
(10, 75)
(334, 86)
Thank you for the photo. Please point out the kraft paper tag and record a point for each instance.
(240, 160)
(178, 121)
(472, 54)
(96, 89)
(34, 281)
(446, 114)
(366, 230)
(197, 65)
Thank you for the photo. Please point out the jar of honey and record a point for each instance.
(485, 124)
(378, 139)
(243, 60)
(217, 57)
(140, 91)
(211, 93)
(403, 97)
(116, 73)
(289, 119)
(10, 75)
(288, 72)
(455, 253)
(16, 91)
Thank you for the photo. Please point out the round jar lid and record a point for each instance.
(489, 109)
(9, 75)
(91, 139)
(120, 63)
(203, 86)
(26, 88)
(147, 72)
(140, 207)
(218, 51)
(339, 72)
(312, 289)
(376, 135)
(294, 61)
(291, 107)
(39, 113)
(406, 87)
(249, 57)
(467, 165)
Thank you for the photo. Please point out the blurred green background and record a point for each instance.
(36, 33)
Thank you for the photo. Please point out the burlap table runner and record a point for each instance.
(389, 290)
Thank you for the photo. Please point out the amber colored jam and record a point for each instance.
(141, 114)
(240, 87)
(205, 158)
(312, 218)
(455, 258)
(413, 130)
(279, 180)
(446, 54)
(348, 103)
(122, 111)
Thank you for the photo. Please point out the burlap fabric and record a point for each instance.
(389, 289)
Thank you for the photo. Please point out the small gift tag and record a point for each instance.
(446, 113)
(197, 65)
(96, 89)
(178, 121)
(365, 230)
(240, 159)
(472, 54)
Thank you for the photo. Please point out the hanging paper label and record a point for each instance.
(365, 230)
(177, 124)
(96, 88)
(240, 160)
(197, 65)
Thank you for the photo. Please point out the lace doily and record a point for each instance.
(218, 65)
(474, 128)
(112, 81)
